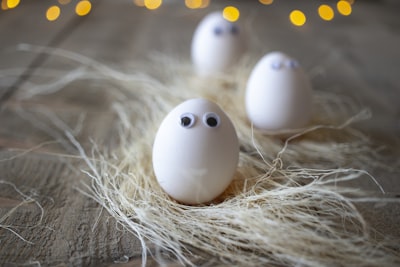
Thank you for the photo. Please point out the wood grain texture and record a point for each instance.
(39, 197)
(67, 228)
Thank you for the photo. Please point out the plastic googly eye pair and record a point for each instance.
(211, 119)
(292, 64)
(233, 30)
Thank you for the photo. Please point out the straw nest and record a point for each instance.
(289, 203)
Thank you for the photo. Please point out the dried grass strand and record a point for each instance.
(288, 203)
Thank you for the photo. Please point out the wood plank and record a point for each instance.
(347, 56)
(67, 227)
(27, 23)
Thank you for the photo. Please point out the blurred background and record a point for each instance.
(352, 45)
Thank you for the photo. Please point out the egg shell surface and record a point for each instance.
(217, 44)
(195, 164)
(278, 94)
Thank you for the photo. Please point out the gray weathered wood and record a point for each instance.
(356, 56)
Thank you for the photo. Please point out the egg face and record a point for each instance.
(278, 94)
(195, 152)
(217, 44)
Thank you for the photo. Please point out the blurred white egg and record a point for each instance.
(278, 94)
(195, 152)
(217, 44)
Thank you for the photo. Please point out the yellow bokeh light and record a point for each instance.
(231, 13)
(4, 5)
(266, 2)
(83, 8)
(139, 3)
(12, 3)
(192, 4)
(53, 13)
(64, 2)
(326, 12)
(297, 18)
(205, 3)
(152, 4)
(344, 7)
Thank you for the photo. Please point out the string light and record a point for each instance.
(12, 3)
(83, 8)
(231, 13)
(266, 2)
(139, 3)
(152, 4)
(4, 5)
(325, 12)
(297, 18)
(205, 3)
(344, 7)
(64, 2)
(53, 13)
(192, 4)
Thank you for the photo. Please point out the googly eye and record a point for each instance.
(234, 29)
(293, 64)
(211, 120)
(218, 31)
(187, 120)
(276, 65)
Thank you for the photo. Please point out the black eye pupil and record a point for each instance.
(212, 122)
(217, 31)
(234, 29)
(293, 64)
(276, 65)
(185, 121)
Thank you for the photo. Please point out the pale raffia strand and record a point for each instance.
(288, 203)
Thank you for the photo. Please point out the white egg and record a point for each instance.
(217, 44)
(278, 94)
(195, 152)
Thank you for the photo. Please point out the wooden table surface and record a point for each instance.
(44, 219)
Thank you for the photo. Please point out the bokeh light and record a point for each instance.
(195, 4)
(64, 2)
(231, 13)
(205, 3)
(326, 12)
(344, 7)
(139, 3)
(83, 8)
(192, 4)
(152, 4)
(266, 2)
(53, 13)
(12, 3)
(4, 5)
(297, 18)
